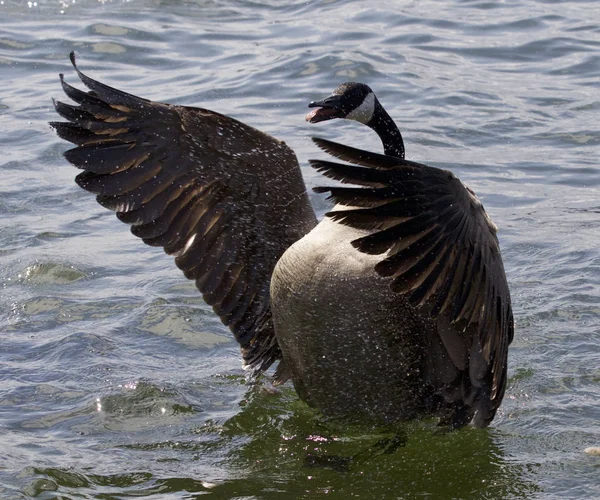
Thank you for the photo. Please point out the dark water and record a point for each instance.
(116, 379)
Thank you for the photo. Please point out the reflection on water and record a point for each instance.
(117, 381)
(265, 450)
(431, 462)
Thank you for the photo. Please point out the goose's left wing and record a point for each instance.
(439, 247)
(222, 197)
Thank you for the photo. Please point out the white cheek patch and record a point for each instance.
(364, 112)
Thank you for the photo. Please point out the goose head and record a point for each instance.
(356, 101)
(351, 100)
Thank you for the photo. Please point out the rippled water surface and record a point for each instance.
(118, 381)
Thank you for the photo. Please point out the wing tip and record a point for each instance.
(82, 77)
(325, 145)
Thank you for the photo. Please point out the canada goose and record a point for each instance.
(395, 306)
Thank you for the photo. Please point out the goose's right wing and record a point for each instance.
(440, 248)
(222, 197)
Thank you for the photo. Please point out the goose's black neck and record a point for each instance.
(387, 131)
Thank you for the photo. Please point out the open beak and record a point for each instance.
(327, 109)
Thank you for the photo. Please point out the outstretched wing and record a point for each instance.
(222, 197)
(439, 247)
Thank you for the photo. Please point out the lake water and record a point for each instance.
(117, 381)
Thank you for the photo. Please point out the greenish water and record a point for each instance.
(117, 381)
